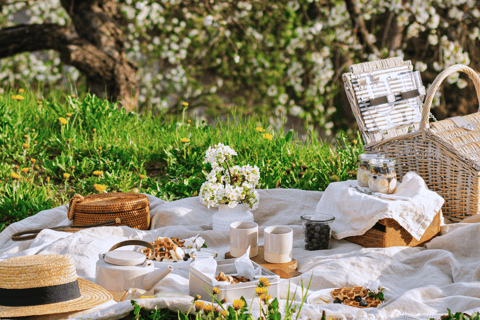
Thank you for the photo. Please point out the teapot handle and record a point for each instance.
(131, 243)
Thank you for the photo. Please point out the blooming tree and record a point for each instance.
(280, 58)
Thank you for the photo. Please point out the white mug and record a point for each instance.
(243, 235)
(278, 244)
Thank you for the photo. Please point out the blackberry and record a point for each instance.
(337, 301)
(358, 298)
(162, 249)
(363, 303)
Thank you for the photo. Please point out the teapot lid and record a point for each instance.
(125, 258)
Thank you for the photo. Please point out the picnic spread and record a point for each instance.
(397, 243)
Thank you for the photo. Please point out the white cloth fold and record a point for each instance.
(356, 212)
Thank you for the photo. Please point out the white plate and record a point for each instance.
(321, 297)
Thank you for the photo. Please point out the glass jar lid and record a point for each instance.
(382, 162)
(319, 217)
(369, 156)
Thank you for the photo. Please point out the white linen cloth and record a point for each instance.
(423, 281)
(355, 212)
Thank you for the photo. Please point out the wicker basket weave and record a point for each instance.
(133, 208)
(446, 154)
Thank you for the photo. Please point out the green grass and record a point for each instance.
(126, 146)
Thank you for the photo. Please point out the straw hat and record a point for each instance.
(45, 284)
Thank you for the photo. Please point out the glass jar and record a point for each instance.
(363, 171)
(383, 177)
(317, 231)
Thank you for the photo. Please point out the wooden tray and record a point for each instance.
(388, 233)
(284, 270)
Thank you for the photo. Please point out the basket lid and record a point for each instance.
(112, 203)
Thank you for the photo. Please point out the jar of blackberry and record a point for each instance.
(363, 171)
(317, 231)
(383, 177)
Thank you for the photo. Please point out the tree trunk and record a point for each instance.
(94, 45)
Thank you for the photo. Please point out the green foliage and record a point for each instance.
(142, 153)
(460, 316)
(140, 313)
(378, 296)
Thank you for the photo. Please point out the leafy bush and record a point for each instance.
(44, 162)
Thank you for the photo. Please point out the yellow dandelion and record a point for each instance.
(98, 173)
(185, 140)
(62, 120)
(35, 141)
(26, 145)
(198, 297)
(189, 120)
(39, 102)
(73, 96)
(94, 130)
(21, 90)
(142, 176)
(267, 136)
(19, 97)
(26, 136)
(25, 170)
(66, 175)
(199, 305)
(72, 167)
(238, 304)
(185, 104)
(265, 297)
(15, 175)
(48, 179)
(33, 130)
(14, 97)
(37, 167)
(208, 308)
(259, 129)
(69, 114)
(264, 282)
(259, 290)
(69, 140)
(33, 160)
(215, 290)
(100, 187)
(224, 313)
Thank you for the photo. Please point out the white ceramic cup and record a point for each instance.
(278, 244)
(243, 235)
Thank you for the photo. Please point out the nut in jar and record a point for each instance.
(363, 171)
(383, 177)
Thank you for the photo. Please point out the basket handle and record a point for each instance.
(436, 84)
(71, 208)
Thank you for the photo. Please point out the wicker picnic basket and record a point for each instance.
(446, 154)
(133, 208)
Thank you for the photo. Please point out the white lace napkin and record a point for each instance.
(356, 212)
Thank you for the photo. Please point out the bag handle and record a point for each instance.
(71, 208)
(31, 234)
(436, 84)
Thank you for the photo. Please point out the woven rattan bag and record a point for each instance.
(132, 208)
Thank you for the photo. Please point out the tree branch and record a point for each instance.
(359, 26)
(33, 37)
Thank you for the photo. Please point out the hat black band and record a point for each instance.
(39, 296)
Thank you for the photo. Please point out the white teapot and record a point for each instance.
(119, 270)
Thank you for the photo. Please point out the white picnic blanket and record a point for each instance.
(422, 282)
(356, 212)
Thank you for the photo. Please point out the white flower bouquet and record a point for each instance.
(227, 184)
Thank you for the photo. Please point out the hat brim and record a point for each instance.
(92, 295)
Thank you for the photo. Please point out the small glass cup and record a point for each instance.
(317, 231)
(363, 171)
(383, 177)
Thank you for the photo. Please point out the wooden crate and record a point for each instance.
(388, 233)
